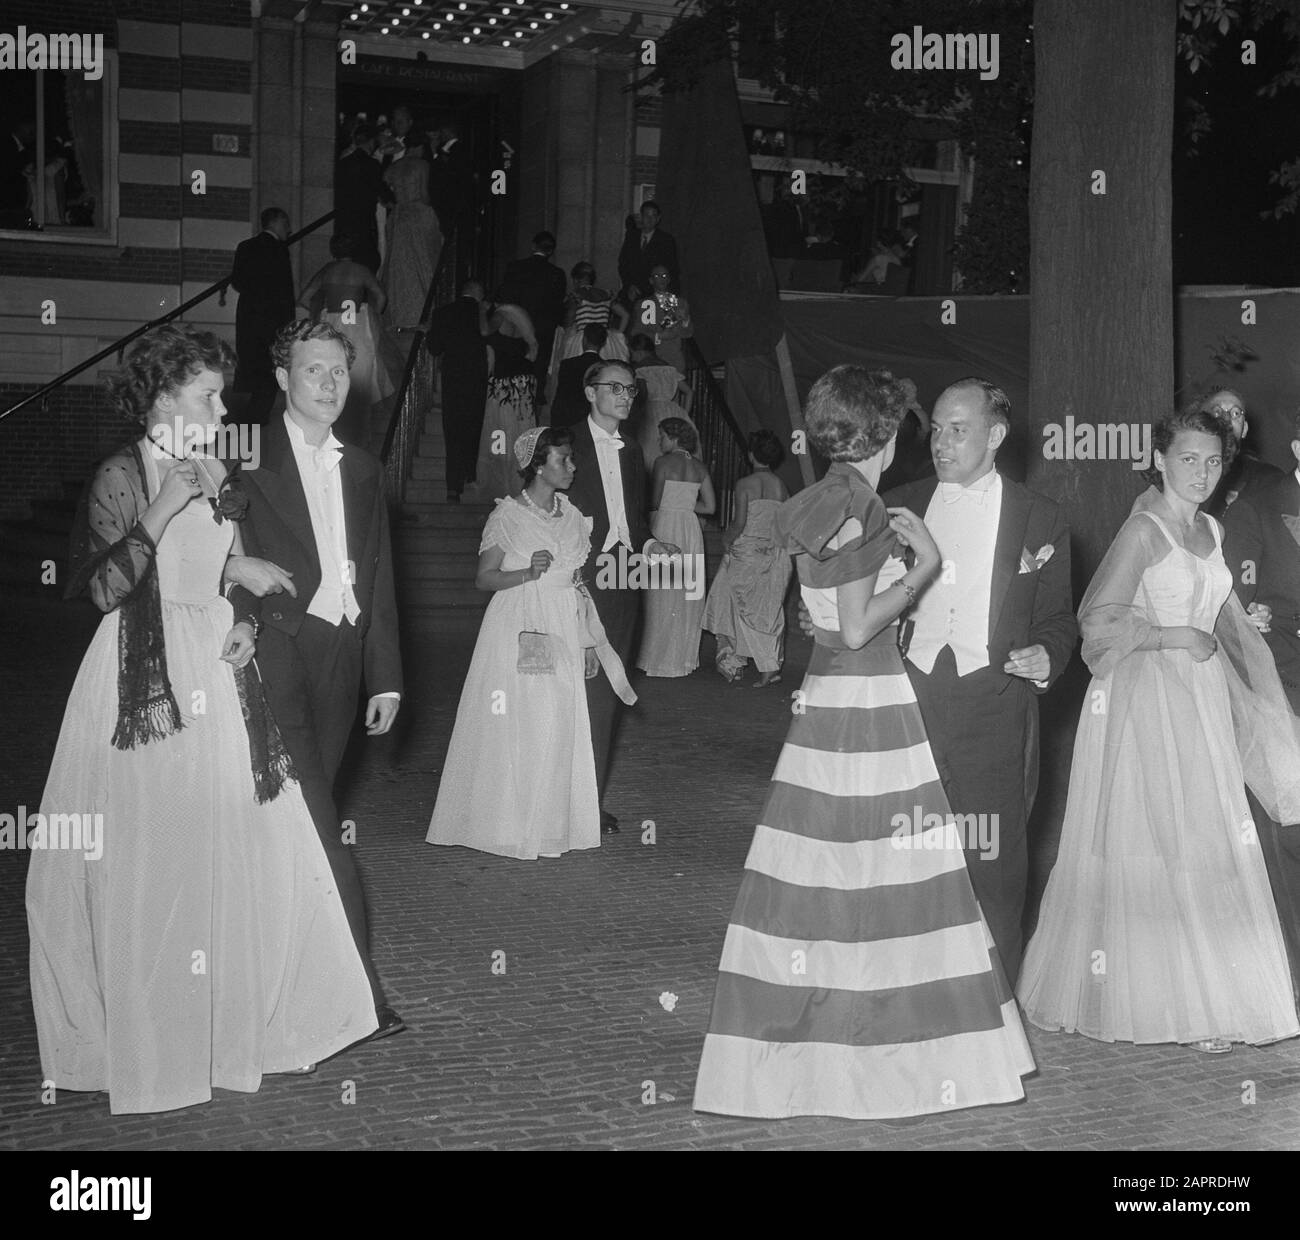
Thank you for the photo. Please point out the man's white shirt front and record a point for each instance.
(954, 610)
(611, 478)
(322, 483)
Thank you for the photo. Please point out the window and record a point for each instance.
(58, 168)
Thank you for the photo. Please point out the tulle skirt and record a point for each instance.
(1158, 923)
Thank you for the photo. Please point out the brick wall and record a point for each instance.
(43, 449)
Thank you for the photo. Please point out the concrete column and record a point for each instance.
(294, 134)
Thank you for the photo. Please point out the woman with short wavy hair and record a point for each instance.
(188, 936)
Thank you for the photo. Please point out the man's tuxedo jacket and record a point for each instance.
(1025, 609)
(587, 494)
(635, 263)
(1262, 548)
(455, 337)
(263, 278)
(538, 285)
(278, 528)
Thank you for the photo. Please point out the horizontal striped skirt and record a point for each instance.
(857, 977)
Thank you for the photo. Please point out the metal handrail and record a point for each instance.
(724, 447)
(119, 345)
(415, 396)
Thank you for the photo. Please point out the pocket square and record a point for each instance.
(1032, 563)
(1293, 524)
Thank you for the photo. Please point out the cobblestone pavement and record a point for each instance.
(569, 1045)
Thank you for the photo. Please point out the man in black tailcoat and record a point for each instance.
(316, 581)
(538, 285)
(990, 634)
(263, 278)
(456, 336)
(609, 487)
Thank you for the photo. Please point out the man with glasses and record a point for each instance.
(609, 488)
(1261, 545)
(1247, 469)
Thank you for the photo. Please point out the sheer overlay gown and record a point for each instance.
(1158, 923)
(858, 977)
(208, 944)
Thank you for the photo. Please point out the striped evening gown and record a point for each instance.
(858, 977)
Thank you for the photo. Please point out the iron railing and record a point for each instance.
(119, 346)
(724, 447)
(415, 396)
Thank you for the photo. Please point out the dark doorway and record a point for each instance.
(488, 127)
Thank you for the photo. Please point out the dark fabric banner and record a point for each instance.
(990, 338)
(706, 190)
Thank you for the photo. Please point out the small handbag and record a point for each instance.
(536, 650)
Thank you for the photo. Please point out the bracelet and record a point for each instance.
(1160, 637)
(911, 592)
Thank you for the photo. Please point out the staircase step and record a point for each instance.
(423, 492)
(442, 594)
(451, 566)
(429, 467)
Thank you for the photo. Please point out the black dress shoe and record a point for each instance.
(608, 823)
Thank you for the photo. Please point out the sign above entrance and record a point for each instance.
(424, 73)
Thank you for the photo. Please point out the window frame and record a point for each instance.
(106, 233)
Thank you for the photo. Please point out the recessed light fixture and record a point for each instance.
(425, 35)
(465, 39)
(492, 21)
(406, 12)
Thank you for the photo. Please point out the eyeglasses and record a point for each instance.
(616, 389)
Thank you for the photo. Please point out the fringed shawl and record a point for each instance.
(112, 562)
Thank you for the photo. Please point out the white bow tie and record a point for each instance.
(951, 492)
(326, 459)
(612, 440)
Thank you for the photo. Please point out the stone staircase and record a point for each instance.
(435, 544)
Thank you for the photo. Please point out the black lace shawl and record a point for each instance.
(112, 563)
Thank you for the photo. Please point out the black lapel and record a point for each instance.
(1012, 521)
(282, 484)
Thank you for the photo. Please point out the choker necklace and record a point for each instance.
(537, 508)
